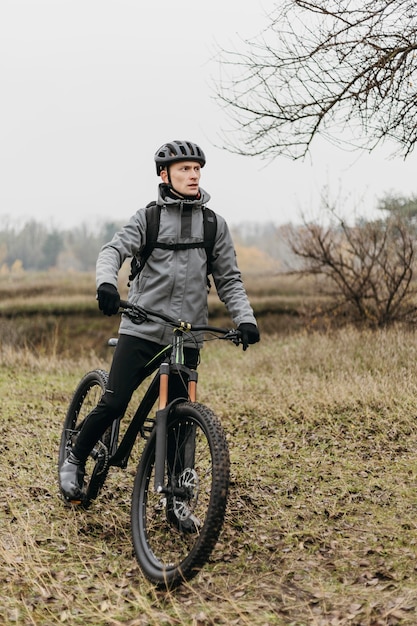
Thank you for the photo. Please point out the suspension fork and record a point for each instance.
(161, 427)
(192, 386)
(164, 409)
(177, 359)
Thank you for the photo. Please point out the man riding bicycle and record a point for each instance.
(172, 281)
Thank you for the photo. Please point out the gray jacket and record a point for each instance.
(174, 282)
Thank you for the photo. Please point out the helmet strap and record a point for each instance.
(175, 195)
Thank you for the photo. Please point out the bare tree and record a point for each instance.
(368, 267)
(322, 67)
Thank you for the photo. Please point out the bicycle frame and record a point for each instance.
(158, 388)
(182, 480)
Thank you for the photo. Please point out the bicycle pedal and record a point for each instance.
(100, 454)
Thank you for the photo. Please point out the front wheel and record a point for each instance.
(85, 398)
(175, 532)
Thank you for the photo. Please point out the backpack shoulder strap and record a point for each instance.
(153, 216)
(210, 230)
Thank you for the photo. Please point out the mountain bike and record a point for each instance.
(181, 484)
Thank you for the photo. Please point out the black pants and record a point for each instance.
(128, 370)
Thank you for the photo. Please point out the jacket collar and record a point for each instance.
(172, 202)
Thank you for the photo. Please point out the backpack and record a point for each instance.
(153, 216)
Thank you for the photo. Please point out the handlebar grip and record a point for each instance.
(124, 304)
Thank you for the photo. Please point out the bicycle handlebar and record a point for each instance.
(138, 315)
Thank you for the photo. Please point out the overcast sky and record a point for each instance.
(91, 88)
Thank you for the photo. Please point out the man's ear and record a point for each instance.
(164, 176)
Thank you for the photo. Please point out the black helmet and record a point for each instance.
(175, 151)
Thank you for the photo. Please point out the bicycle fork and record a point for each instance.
(162, 414)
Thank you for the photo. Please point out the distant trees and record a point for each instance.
(268, 237)
(324, 67)
(368, 268)
(51, 248)
(33, 246)
(400, 206)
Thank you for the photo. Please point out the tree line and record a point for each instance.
(367, 268)
(35, 246)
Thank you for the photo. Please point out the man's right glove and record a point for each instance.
(250, 334)
(108, 299)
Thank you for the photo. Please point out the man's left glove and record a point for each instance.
(250, 334)
(108, 299)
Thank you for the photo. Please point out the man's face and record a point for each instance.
(185, 177)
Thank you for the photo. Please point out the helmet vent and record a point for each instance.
(178, 151)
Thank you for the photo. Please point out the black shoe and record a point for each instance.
(71, 478)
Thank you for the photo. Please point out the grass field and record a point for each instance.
(321, 523)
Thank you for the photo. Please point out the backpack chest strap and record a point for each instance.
(182, 246)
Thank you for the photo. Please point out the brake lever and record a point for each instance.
(235, 336)
(136, 315)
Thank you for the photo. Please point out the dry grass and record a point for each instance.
(321, 526)
(56, 313)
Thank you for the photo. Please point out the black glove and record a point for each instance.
(250, 334)
(108, 299)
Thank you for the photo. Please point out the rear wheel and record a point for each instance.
(85, 398)
(175, 532)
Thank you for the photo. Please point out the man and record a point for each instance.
(173, 281)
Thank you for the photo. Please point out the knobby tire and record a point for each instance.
(85, 398)
(174, 535)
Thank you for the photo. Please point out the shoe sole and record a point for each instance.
(71, 501)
